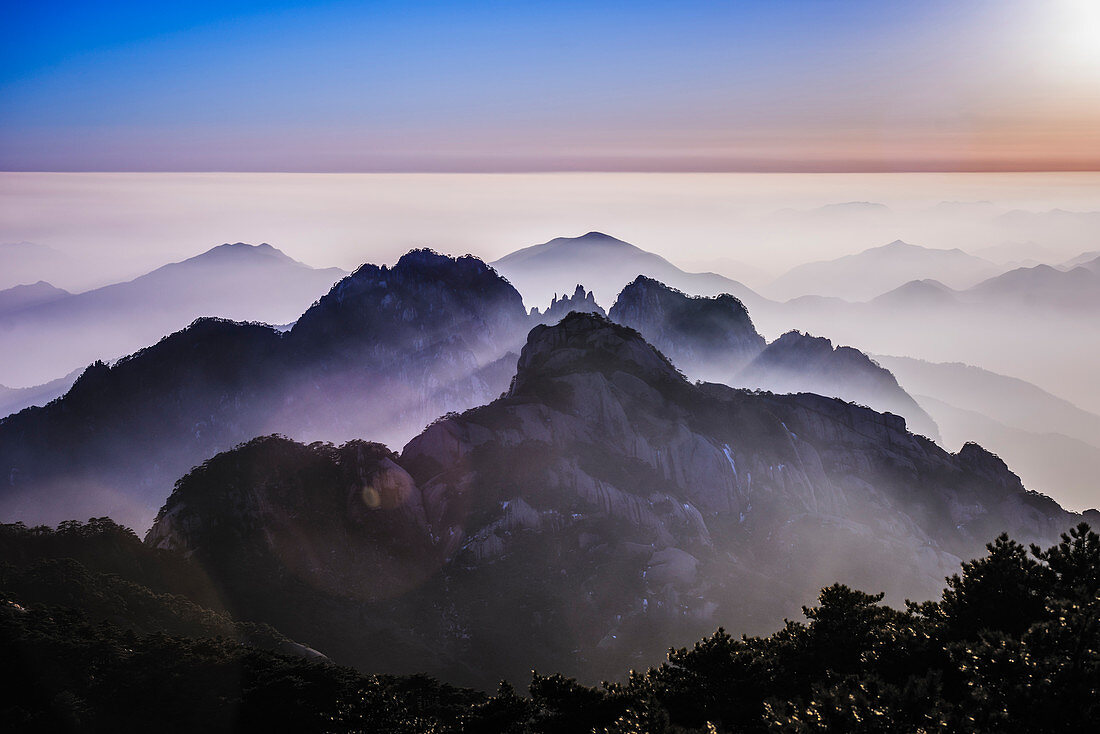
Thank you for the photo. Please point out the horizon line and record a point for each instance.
(1095, 168)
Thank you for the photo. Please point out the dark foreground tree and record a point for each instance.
(1012, 645)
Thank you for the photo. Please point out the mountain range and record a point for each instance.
(601, 509)
(575, 492)
(873, 272)
(20, 297)
(55, 332)
(385, 352)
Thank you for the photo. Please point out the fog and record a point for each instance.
(120, 225)
(81, 231)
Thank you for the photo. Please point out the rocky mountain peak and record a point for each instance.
(708, 338)
(581, 300)
(588, 342)
(242, 251)
(425, 297)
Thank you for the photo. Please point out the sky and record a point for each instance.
(782, 85)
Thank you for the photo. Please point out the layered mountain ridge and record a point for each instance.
(386, 351)
(603, 508)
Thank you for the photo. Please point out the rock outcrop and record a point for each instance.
(581, 301)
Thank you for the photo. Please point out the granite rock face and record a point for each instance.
(601, 510)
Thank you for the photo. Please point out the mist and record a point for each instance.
(787, 245)
(120, 225)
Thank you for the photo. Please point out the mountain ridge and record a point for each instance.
(864, 275)
(601, 509)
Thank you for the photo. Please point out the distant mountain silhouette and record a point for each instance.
(872, 272)
(1090, 260)
(15, 399)
(966, 208)
(238, 281)
(27, 262)
(1042, 287)
(1075, 290)
(606, 265)
(19, 297)
(1007, 400)
(1021, 218)
(1061, 230)
(918, 294)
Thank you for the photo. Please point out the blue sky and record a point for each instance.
(782, 85)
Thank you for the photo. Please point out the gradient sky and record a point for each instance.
(494, 86)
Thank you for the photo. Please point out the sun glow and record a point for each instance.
(1077, 35)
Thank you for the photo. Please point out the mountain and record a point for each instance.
(601, 510)
(1043, 287)
(714, 339)
(383, 353)
(238, 281)
(1051, 443)
(15, 399)
(872, 272)
(27, 262)
(797, 362)
(606, 264)
(1052, 463)
(1090, 260)
(708, 338)
(918, 294)
(1037, 323)
(1008, 400)
(26, 296)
